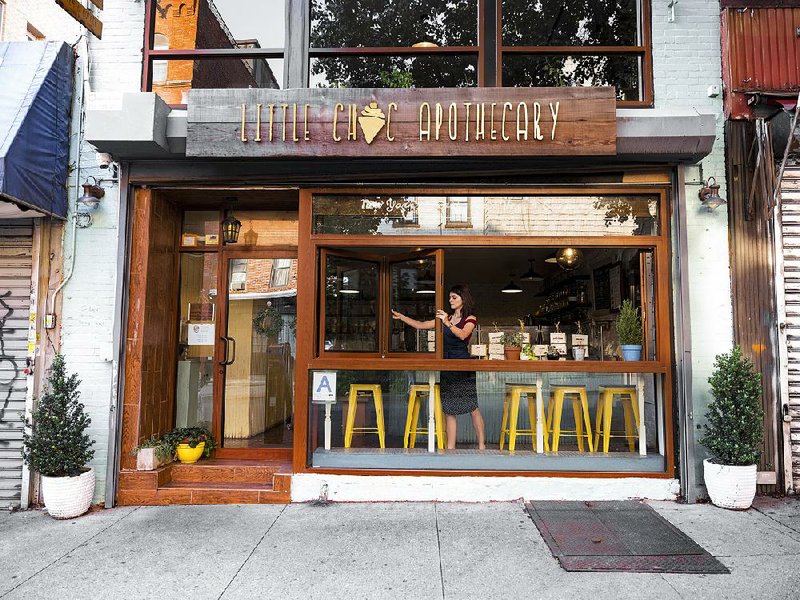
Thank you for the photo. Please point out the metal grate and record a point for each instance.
(618, 536)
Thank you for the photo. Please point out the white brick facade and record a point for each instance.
(686, 61)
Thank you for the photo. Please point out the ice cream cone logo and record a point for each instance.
(372, 121)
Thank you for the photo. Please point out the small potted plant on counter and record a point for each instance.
(55, 445)
(733, 431)
(152, 453)
(512, 345)
(189, 444)
(629, 331)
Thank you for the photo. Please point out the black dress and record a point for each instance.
(458, 390)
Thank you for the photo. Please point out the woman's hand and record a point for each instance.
(397, 315)
(443, 317)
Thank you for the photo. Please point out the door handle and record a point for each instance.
(232, 341)
(224, 360)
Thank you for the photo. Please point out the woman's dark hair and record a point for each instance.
(469, 304)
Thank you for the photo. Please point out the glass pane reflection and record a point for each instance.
(413, 293)
(351, 305)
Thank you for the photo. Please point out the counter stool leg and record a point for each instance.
(556, 421)
(504, 422)
(512, 428)
(441, 438)
(576, 412)
(378, 399)
(415, 420)
(607, 409)
(598, 419)
(412, 397)
(587, 420)
(351, 417)
(627, 412)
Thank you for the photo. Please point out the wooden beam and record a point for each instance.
(83, 15)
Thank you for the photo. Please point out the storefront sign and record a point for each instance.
(401, 122)
(323, 388)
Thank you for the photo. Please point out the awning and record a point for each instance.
(35, 98)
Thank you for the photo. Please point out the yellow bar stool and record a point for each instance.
(377, 397)
(416, 394)
(513, 395)
(629, 398)
(580, 409)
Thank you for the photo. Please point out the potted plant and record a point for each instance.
(152, 454)
(512, 345)
(629, 331)
(733, 431)
(55, 445)
(189, 444)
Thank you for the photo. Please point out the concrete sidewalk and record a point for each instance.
(354, 551)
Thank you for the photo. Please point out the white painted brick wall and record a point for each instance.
(45, 16)
(89, 302)
(686, 61)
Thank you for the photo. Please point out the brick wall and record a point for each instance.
(45, 16)
(686, 61)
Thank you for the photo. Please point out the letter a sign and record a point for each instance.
(323, 389)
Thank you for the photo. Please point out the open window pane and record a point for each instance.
(624, 72)
(351, 305)
(413, 293)
(382, 23)
(571, 23)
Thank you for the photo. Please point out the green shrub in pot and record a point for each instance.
(629, 331)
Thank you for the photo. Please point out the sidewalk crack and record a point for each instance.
(439, 546)
(783, 525)
(672, 586)
(253, 551)
(68, 552)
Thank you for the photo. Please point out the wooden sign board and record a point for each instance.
(83, 15)
(401, 122)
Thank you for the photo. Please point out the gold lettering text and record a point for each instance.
(480, 121)
(506, 106)
(271, 119)
(466, 121)
(284, 107)
(244, 137)
(452, 121)
(294, 123)
(492, 130)
(424, 121)
(306, 132)
(392, 107)
(258, 122)
(537, 113)
(439, 118)
(352, 120)
(554, 112)
(336, 109)
(522, 118)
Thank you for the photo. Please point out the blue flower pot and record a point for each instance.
(631, 352)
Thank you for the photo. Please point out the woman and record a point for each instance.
(459, 394)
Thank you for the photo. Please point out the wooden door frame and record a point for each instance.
(218, 401)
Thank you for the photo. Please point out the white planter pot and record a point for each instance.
(730, 487)
(147, 460)
(68, 497)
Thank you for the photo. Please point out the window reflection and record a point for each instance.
(432, 71)
(413, 293)
(351, 305)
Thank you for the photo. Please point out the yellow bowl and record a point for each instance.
(188, 455)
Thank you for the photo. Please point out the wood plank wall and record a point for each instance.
(753, 284)
(149, 400)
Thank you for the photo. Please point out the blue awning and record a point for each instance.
(35, 98)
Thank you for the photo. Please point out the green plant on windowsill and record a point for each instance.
(160, 447)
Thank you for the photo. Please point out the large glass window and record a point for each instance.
(399, 44)
(351, 304)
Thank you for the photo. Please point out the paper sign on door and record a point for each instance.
(323, 388)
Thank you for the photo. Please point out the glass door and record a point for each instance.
(257, 354)
(414, 289)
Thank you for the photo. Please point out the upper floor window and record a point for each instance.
(33, 34)
(397, 43)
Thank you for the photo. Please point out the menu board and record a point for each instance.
(608, 287)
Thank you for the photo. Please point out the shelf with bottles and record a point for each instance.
(571, 295)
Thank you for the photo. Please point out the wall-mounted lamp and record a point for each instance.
(230, 229)
(88, 202)
(709, 194)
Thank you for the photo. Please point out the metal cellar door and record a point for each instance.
(15, 291)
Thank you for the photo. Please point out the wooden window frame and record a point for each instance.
(644, 50)
(310, 245)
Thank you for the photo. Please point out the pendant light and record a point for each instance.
(552, 259)
(426, 282)
(512, 288)
(530, 274)
(569, 258)
(347, 286)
